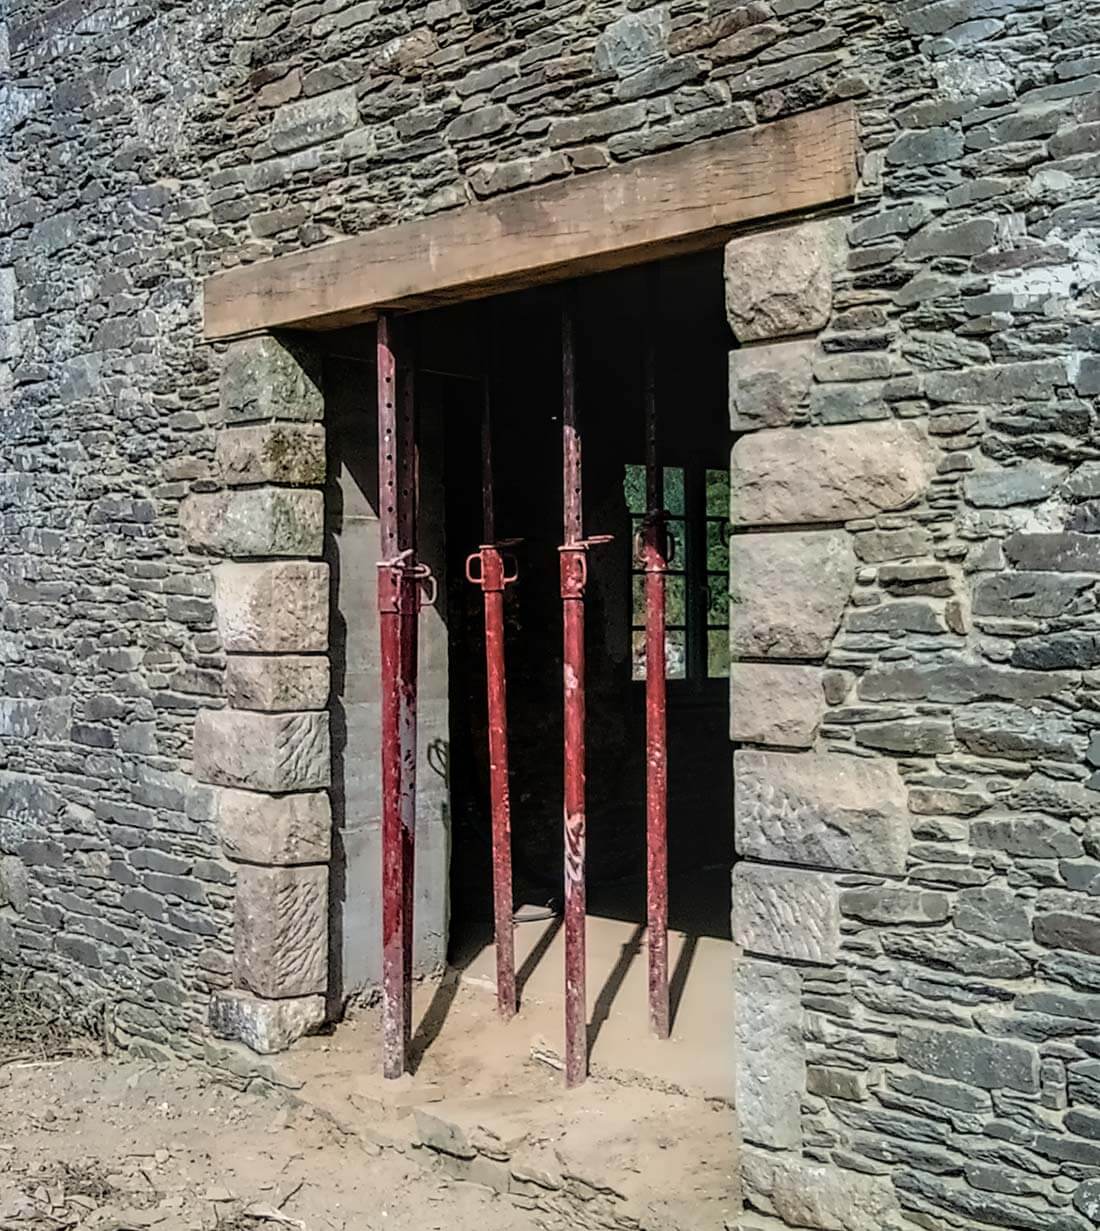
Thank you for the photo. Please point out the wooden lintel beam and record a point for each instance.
(682, 201)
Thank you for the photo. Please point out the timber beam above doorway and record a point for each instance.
(665, 205)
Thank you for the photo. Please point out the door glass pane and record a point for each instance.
(637, 606)
(675, 603)
(676, 654)
(718, 652)
(674, 490)
(718, 494)
(677, 540)
(637, 654)
(718, 601)
(718, 554)
(675, 600)
(676, 536)
(636, 560)
(634, 488)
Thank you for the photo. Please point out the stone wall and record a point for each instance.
(267, 755)
(112, 877)
(143, 145)
(915, 403)
(913, 594)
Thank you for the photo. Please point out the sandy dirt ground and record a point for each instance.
(91, 1143)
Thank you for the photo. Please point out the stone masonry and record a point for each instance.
(267, 755)
(916, 555)
(915, 793)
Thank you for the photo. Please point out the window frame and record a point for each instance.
(691, 561)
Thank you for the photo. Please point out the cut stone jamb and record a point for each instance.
(804, 817)
(267, 756)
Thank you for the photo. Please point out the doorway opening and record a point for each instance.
(516, 338)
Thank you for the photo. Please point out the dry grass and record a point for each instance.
(86, 1178)
(63, 1196)
(45, 1023)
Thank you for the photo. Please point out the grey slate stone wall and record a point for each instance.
(929, 929)
(946, 365)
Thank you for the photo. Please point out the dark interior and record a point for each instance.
(517, 339)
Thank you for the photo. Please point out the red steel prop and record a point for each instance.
(654, 551)
(400, 578)
(574, 576)
(493, 576)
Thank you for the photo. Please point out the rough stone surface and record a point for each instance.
(892, 906)
(783, 912)
(1023, 595)
(1067, 930)
(277, 607)
(796, 476)
(280, 931)
(805, 1194)
(780, 283)
(1003, 488)
(1005, 383)
(281, 682)
(266, 1026)
(1068, 552)
(788, 592)
(268, 378)
(968, 1203)
(770, 385)
(950, 680)
(272, 453)
(309, 121)
(849, 1084)
(824, 809)
(771, 1060)
(14, 883)
(1018, 734)
(992, 912)
(989, 1064)
(777, 704)
(262, 521)
(274, 829)
(1031, 837)
(1086, 1198)
(263, 752)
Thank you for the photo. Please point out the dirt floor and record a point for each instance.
(698, 1058)
(627, 1149)
(482, 1136)
(87, 1142)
